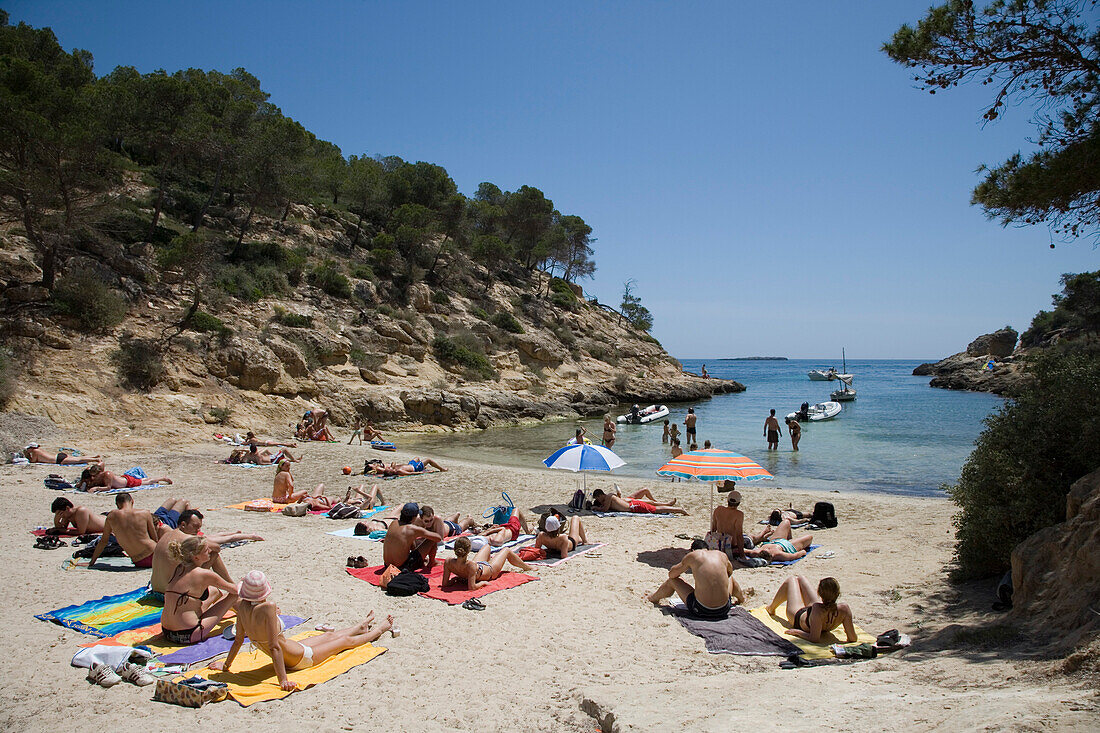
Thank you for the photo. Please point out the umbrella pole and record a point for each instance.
(711, 497)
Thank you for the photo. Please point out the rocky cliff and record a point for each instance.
(971, 369)
(474, 354)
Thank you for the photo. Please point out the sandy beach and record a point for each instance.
(577, 650)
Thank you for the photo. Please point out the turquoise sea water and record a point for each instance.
(899, 436)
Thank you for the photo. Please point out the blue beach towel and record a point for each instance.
(108, 615)
(809, 549)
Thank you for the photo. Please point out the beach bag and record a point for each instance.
(391, 572)
(53, 481)
(500, 514)
(343, 511)
(530, 553)
(407, 583)
(577, 502)
(113, 549)
(295, 510)
(824, 515)
(259, 505)
(190, 696)
(369, 463)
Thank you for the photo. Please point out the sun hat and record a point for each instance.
(553, 524)
(254, 587)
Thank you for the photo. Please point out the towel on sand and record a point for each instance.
(153, 637)
(523, 539)
(454, 593)
(577, 552)
(809, 549)
(108, 615)
(272, 507)
(820, 650)
(738, 633)
(109, 564)
(108, 492)
(636, 514)
(253, 677)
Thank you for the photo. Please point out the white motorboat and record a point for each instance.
(845, 393)
(648, 415)
(822, 375)
(816, 413)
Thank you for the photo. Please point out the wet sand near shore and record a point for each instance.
(578, 648)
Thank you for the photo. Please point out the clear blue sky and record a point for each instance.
(772, 181)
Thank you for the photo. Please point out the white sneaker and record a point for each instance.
(134, 673)
(102, 675)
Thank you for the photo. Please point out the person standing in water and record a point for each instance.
(772, 431)
(795, 431)
(689, 426)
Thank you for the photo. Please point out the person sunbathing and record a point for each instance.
(455, 525)
(364, 499)
(502, 534)
(408, 545)
(97, 478)
(190, 525)
(35, 454)
(811, 613)
(258, 619)
(779, 545)
(283, 490)
(794, 516)
(322, 434)
(554, 541)
(190, 614)
(714, 583)
(604, 502)
(482, 568)
(378, 522)
(135, 530)
(371, 433)
(414, 466)
(79, 518)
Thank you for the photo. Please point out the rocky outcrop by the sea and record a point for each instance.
(991, 363)
(1056, 571)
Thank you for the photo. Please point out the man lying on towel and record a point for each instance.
(714, 583)
(35, 454)
(97, 478)
(603, 502)
(136, 530)
(80, 518)
(190, 524)
(408, 545)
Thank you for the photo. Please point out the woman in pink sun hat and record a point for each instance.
(258, 619)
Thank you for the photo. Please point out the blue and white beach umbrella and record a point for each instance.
(584, 457)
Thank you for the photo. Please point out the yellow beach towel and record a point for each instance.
(821, 650)
(253, 677)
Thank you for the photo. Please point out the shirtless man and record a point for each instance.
(414, 466)
(772, 431)
(97, 478)
(677, 451)
(689, 425)
(83, 519)
(251, 438)
(727, 524)
(408, 545)
(190, 523)
(454, 525)
(501, 534)
(35, 454)
(714, 583)
(266, 457)
(134, 529)
(603, 502)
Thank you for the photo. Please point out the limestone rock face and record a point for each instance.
(999, 344)
(26, 294)
(246, 363)
(1056, 571)
(420, 295)
(379, 406)
(439, 407)
(539, 349)
(289, 355)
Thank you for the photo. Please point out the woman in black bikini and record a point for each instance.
(482, 568)
(189, 615)
(554, 541)
(811, 613)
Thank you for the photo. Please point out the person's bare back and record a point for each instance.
(728, 521)
(135, 530)
(711, 570)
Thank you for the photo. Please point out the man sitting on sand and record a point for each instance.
(134, 529)
(80, 518)
(604, 502)
(502, 534)
(714, 583)
(408, 545)
(454, 525)
(97, 478)
(35, 454)
(190, 524)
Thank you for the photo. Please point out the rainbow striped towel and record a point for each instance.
(109, 615)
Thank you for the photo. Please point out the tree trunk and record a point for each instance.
(160, 200)
(49, 265)
(247, 220)
(209, 199)
(286, 211)
(358, 229)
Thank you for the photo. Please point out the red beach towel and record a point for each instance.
(454, 594)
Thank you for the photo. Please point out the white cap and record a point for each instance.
(553, 524)
(476, 543)
(31, 445)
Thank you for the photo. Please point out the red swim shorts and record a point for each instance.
(513, 524)
(131, 481)
(642, 507)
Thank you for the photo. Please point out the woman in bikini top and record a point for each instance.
(812, 613)
(482, 567)
(554, 541)
(190, 618)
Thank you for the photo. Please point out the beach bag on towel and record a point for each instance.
(824, 515)
(190, 696)
(577, 502)
(343, 511)
(407, 583)
(295, 510)
(503, 513)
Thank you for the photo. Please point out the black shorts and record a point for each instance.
(691, 431)
(414, 562)
(773, 436)
(698, 610)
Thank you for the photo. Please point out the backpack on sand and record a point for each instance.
(407, 583)
(824, 515)
(578, 500)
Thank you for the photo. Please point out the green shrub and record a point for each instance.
(140, 362)
(479, 313)
(252, 282)
(221, 414)
(294, 320)
(1015, 481)
(454, 351)
(362, 272)
(207, 323)
(557, 285)
(329, 279)
(385, 309)
(96, 306)
(506, 322)
(182, 251)
(441, 298)
(563, 301)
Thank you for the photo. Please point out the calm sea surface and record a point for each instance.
(899, 436)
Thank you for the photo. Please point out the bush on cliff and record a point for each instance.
(140, 362)
(1015, 481)
(459, 352)
(93, 304)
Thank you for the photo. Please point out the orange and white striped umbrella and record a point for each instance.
(714, 465)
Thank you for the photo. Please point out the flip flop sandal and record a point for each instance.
(473, 604)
